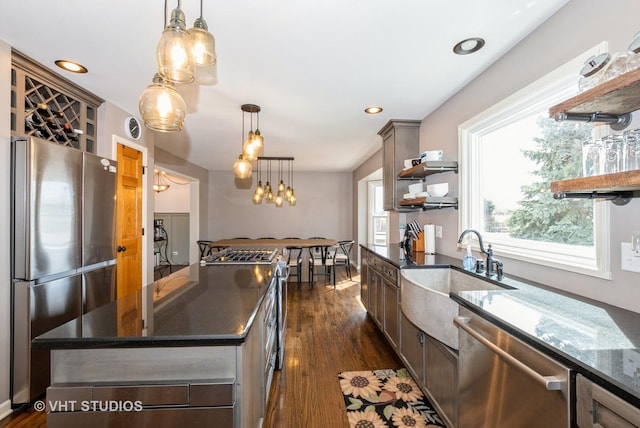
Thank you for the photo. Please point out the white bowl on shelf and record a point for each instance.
(438, 190)
(415, 188)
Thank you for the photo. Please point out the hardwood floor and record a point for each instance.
(328, 331)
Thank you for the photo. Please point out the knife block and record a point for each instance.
(418, 244)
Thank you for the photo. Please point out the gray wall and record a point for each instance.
(577, 27)
(323, 209)
(5, 280)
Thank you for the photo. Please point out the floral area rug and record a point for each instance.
(386, 398)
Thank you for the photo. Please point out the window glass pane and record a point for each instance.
(378, 224)
(517, 164)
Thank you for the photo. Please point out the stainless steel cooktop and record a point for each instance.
(242, 256)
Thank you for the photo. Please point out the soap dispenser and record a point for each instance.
(469, 262)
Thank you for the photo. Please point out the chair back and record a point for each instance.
(346, 246)
(205, 249)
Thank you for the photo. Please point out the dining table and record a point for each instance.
(278, 243)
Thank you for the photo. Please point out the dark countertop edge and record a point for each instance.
(574, 364)
(138, 342)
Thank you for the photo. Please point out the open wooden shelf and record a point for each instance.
(620, 95)
(621, 181)
(427, 168)
(431, 203)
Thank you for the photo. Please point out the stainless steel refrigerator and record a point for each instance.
(63, 249)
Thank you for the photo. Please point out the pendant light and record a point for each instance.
(268, 191)
(288, 191)
(160, 184)
(175, 55)
(204, 45)
(292, 199)
(242, 167)
(161, 107)
(253, 144)
(280, 194)
(258, 195)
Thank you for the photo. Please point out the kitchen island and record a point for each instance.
(202, 353)
(597, 341)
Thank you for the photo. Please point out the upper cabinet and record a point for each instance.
(400, 141)
(610, 102)
(48, 106)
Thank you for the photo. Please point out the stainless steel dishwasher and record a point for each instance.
(503, 382)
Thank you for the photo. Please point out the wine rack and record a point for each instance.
(48, 106)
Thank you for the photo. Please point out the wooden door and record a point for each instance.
(129, 220)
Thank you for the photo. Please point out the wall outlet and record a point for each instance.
(628, 260)
(438, 231)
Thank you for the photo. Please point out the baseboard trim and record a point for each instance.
(5, 409)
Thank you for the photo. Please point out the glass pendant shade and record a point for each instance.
(268, 195)
(292, 199)
(257, 199)
(204, 45)
(162, 107)
(281, 186)
(242, 168)
(288, 192)
(258, 140)
(279, 200)
(249, 149)
(175, 51)
(260, 189)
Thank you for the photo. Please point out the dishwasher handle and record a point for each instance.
(551, 383)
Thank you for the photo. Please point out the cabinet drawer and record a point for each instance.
(596, 407)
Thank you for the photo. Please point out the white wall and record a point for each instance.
(323, 208)
(570, 32)
(5, 282)
(175, 199)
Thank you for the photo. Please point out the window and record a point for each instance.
(377, 228)
(509, 154)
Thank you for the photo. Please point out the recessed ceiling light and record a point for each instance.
(373, 110)
(468, 46)
(71, 66)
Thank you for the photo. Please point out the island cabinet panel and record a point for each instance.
(598, 408)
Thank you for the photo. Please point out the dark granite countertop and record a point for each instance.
(213, 305)
(598, 340)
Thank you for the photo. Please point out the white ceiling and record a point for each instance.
(312, 66)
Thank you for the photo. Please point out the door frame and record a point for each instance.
(194, 210)
(115, 140)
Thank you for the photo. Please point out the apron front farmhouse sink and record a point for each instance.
(425, 300)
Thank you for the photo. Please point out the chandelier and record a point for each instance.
(161, 181)
(178, 54)
(283, 192)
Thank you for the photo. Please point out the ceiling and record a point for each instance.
(313, 66)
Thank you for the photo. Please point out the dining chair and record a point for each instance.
(342, 257)
(317, 260)
(294, 262)
(205, 249)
